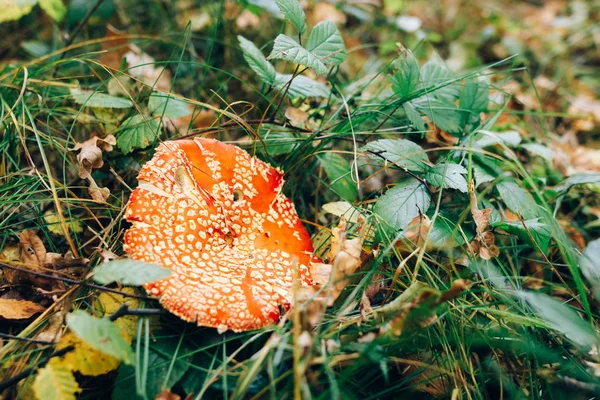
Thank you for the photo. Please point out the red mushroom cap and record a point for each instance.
(217, 218)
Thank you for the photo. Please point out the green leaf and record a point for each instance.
(540, 233)
(473, 98)
(539, 150)
(580, 178)
(433, 74)
(54, 8)
(292, 11)
(100, 333)
(55, 382)
(301, 87)
(257, 61)
(13, 10)
(339, 172)
(286, 48)
(137, 133)
(444, 233)
(89, 98)
(444, 114)
(278, 141)
(166, 366)
(448, 175)
(518, 200)
(129, 272)
(325, 42)
(402, 203)
(414, 117)
(561, 318)
(589, 263)
(407, 77)
(486, 138)
(402, 152)
(161, 104)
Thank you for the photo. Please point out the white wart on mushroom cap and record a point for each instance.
(218, 219)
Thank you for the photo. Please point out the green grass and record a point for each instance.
(493, 340)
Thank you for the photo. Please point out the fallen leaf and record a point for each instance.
(247, 20)
(19, 309)
(483, 244)
(90, 153)
(33, 251)
(325, 11)
(296, 116)
(53, 223)
(53, 329)
(84, 358)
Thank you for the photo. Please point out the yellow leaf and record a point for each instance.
(54, 8)
(111, 302)
(84, 358)
(12, 10)
(55, 382)
(54, 226)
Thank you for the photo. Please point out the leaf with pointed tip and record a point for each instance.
(286, 48)
(402, 152)
(448, 175)
(257, 61)
(326, 43)
(402, 203)
(90, 98)
(561, 318)
(580, 178)
(129, 272)
(518, 200)
(540, 233)
(339, 172)
(102, 334)
(414, 117)
(405, 80)
(292, 10)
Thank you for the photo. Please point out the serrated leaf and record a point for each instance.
(414, 117)
(129, 272)
(301, 87)
(540, 233)
(518, 200)
(433, 74)
(257, 61)
(90, 98)
(580, 178)
(444, 114)
(448, 175)
(402, 203)
(326, 43)
(101, 334)
(293, 12)
(561, 318)
(407, 76)
(164, 360)
(539, 150)
(473, 100)
(161, 104)
(443, 233)
(54, 8)
(137, 133)
(339, 172)
(402, 152)
(343, 209)
(84, 358)
(286, 48)
(55, 382)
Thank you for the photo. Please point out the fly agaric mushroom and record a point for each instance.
(217, 218)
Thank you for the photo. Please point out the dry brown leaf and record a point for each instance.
(325, 11)
(415, 234)
(296, 116)
(167, 395)
(33, 252)
(90, 153)
(114, 47)
(14, 309)
(53, 330)
(484, 242)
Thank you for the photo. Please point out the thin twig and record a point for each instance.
(24, 339)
